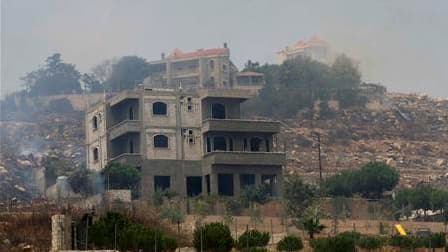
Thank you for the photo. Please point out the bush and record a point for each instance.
(253, 238)
(401, 241)
(130, 236)
(341, 243)
(290, 243)
(216, 237)
(370, 242)
(258, 249)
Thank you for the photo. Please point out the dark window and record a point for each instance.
(131, 146)
(161, 141)
(212, 64)
(224, 67)
(161, 183)
(95, 154)
(219, 143)
(230, 144)
(209, 148)
(131, 113)
(247, 180)
(245, 145)
(255, 144)
(218, 111)
(194, 185)
(159, 108)
(189, 108)
(225, 184)
(268, 146)
(95, 122)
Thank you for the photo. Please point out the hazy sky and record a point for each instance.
(402, 44)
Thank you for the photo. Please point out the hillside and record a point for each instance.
(407, 131)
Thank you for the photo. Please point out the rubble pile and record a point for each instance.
(409, 132)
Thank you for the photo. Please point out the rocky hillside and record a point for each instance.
(407, 131)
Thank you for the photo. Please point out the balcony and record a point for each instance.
(233, 125)
(127, 126)
(245, 158)
(127, 158)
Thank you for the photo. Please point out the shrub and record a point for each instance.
(290, 243)
(216, 237)
(341, 243)
(258, 249)
(253, 238)
(130, 236)
(401, 241)
(370, 242)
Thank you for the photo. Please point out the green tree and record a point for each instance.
(214, 237)
(127, 72)
(82, 181)
(298, 196)
(290, 243)
(91, 83)
(56, 77)
(371, 180)
(253, 238)
(121, 176)
(344, 73)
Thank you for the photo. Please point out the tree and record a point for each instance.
(298, 196)
(253, 238)
(91, 83)
(312, 226)
(374, 178)
(214, 237)
(55, 167)
(121, 176)
(82, 181)
(344, 73)
(127, 73)
(371, 180)
(56, 77)
(290, 243)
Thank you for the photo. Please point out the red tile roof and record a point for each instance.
(178, 54)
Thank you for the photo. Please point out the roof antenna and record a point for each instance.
(180, 85)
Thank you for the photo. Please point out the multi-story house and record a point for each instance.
(194, 142)
(314, 48)
(203, 68)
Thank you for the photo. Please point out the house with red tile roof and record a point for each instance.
(315, 48)
(202, 68)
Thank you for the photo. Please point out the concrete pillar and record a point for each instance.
(213, 183)
(257, 179)
(61, 233)
(168, 74)
(279, 185)
(236, 184)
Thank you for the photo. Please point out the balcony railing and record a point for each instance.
(245, 158)
(127, 158)
(124, 127)
(237, 125)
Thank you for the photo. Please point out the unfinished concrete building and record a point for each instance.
(203, 68)
(194, 142)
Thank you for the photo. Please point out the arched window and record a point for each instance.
(218, 111)
(95, 122)
(159, 108)
(95, 154)
(255, 144)
(161, 141)
(219, 143)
